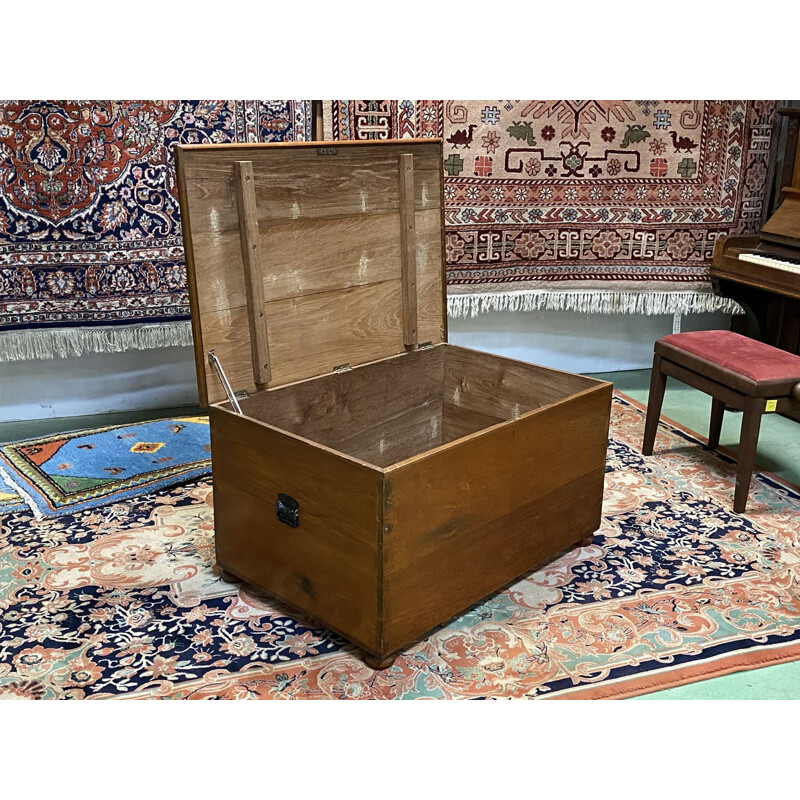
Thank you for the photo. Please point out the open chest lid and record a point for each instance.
(303, 257)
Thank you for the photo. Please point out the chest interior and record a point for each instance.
(400, 407)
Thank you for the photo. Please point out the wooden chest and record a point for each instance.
(377, 478)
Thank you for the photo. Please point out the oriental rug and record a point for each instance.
(125, 600)
(68, 472)
(91, 255)
(586, 205)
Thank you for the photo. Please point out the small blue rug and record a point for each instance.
(68, 472)
(10, 499)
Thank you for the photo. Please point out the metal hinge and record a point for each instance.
(343, 368)
(425, 346)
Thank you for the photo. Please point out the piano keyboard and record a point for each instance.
(776, 262)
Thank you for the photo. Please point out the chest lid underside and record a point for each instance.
(305, 256)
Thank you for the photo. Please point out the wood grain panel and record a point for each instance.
(200, 352)
(328, 566)
(464, 520)
(431, 314)
(458, 421)
(310, 262)
(310, 256)
(299, 184)
(380, 413)
(785, 222)
(308, 158)
(310, 197)
(475, 561)
(228, 335)
(355, 332)
(503, 387)
(312, 334)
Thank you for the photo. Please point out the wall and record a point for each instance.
(165, 378)
(572, 341)
(97, 383)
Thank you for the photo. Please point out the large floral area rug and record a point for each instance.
(587, 205)
(126, 600)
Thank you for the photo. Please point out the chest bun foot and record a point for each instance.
(374, 662)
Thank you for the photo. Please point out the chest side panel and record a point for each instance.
(325, 233)
(328, 565)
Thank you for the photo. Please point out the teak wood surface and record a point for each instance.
(390, 487)
(490, 509)
(326, 567)
(427, 475)
(251, 261)
(349, 246)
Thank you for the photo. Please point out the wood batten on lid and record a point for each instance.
(304, 256)
(408, 249)
(253, 276)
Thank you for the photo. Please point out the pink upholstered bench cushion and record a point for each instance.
(744, 364)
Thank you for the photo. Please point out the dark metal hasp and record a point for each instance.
(287, 510)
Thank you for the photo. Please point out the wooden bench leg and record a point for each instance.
(715, 427)
(748, 442)
(658, 382)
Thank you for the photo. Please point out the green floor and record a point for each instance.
(27, 429)
(778, 452)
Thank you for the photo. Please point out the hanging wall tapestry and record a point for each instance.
(587, 205)
(91, 256)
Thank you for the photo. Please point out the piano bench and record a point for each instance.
(737, 372)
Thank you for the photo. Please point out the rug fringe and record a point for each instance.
(70, 342)
(24, 496)
(67, 342)
(590, 302)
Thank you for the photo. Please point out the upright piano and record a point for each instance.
(762, 273)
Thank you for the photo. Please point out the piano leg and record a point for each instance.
(754, 303)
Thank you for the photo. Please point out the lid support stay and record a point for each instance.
(408, 250)
(223, 379)
(253, 276)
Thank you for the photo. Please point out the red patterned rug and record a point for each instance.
(587, 205)
(125, 600)
(91, 255)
